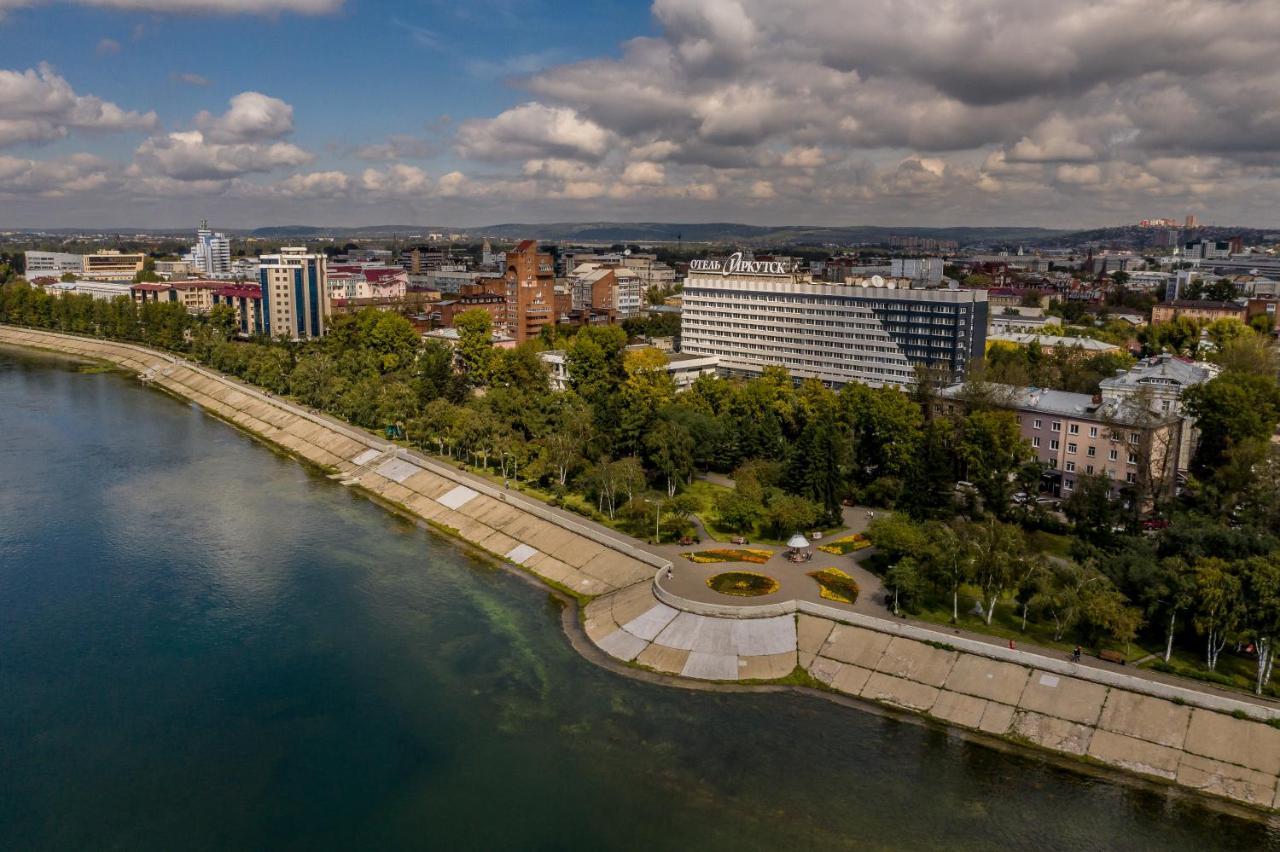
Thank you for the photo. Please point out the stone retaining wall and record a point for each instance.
(1176, 734)
(556, 548)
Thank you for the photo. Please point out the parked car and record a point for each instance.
(737, 539)
(1153, 524)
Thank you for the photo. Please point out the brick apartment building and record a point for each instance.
(530, 291)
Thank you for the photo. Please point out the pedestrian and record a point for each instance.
(669, 573)
(1075, 655)
(1012, 645)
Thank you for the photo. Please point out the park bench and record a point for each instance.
(1111, 657)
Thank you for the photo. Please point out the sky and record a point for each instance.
(1058, 113)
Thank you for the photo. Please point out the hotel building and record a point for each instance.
(755, 314)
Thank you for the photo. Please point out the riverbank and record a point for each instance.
(1182, 737)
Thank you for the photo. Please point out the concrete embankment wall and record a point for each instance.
(555, 547)
(1172, 733)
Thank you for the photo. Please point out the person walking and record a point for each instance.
(1012, 645)
(1075, 655)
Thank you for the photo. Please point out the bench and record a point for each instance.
(1111, 657)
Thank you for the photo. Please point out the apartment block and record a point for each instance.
(530, 291)
(295, 294)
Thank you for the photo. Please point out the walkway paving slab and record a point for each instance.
(651, 622)
(1134, 754)
(1152, 719)
(907, 658)
(754, 637)
(704, 666)
(856, 645)
(989, 679)
(899, 691)
(766, 666)
(965, 710)
(1227, 779)
(1055, 734)
(1064, 697)
(669, 660)
(811, 635)
(681, 632)
(622, 645)
(1246, 743)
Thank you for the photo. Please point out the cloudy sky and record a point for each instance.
(1062, 113)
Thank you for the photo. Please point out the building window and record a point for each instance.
(1036, 424)
(1073, 429)
(1070, 466)
(1053, 464)
(1068, 484)
(1089, 469)
(1133, 458)
(1093, 431)
(1053, 444)
(1056, 425)
(1112, 455)
(1035, 442)
(1133, 437)
(1071, 447)
(1131, 477)
(1091, 451)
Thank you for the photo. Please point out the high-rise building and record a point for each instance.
(111, 265)
(753, 314)
(1191, 222)
(530, 279)
(211, 253)
(295, 294)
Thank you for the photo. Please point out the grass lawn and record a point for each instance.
(706, 494)
(1052, 544)
(1007, 624)
(1234, 671)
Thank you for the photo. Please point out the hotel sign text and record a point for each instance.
(735, 265)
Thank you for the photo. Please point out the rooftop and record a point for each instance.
(1161, 370)
(1087, 344)
(1080, 406)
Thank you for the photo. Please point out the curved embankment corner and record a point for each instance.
(1205, 742)
(1187, 738)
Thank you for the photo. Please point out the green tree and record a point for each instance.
(788, 514)
(1228, 410)
(669, 448)
(222, 318)
(1218, 605)
(475, 344)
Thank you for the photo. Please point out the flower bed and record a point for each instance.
(744, 584)
(835, 585)
(727, 554)
(848, 544)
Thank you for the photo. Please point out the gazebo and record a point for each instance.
(799, 548)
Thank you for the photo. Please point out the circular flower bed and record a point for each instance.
(744, 584)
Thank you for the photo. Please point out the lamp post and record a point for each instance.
(657, 521)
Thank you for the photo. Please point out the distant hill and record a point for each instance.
(730, 232)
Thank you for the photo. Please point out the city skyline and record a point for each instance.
(349, 113)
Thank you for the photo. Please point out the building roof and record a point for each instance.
(1087, 344)
(1080, 406)
(1164, 370)
(152, 288)
(240, 291)
(1203, 304)
(197, 284)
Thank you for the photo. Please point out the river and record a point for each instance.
(204, 645)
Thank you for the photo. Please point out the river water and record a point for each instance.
(205, 646)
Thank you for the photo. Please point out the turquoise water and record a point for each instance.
(204, 646)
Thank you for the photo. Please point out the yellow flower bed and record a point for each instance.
(743, 584)
(725, 554)
(835, 585)
(848, 544)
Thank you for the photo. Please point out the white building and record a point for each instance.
(211, 254)
(53, 263)
(683, 369)
(105, 290)
(754, 314)
(1161, 380)
(295, 294)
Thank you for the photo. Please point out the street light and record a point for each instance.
(657, 521)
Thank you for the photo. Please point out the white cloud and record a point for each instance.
(54, 178)
(38, 105)
(189, 155)
(644, 174)
(533, 130)
(107, 47)
(251, 117)
(396, 180)
(191, 79)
